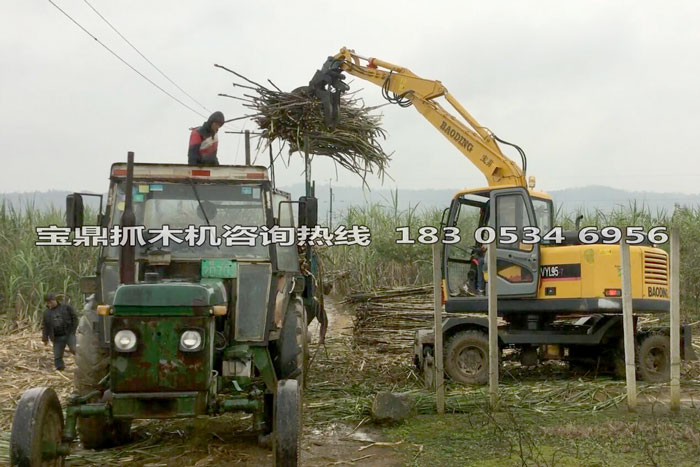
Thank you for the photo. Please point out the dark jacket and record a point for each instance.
(59, 321)
(204, 143)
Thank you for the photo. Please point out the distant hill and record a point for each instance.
(606, 198)
(570, 199)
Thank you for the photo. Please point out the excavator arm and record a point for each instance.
(401, 86)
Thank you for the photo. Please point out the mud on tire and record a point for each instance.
(467, 357)
(654, 359)
(288, 416)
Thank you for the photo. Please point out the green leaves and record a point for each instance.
(27, 271)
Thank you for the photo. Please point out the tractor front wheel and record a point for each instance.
(37, 430)
(288, 416)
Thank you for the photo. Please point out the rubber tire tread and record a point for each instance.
(295, 312)
(471, 336)
(27, 424)
(647, 344)
(287, 433)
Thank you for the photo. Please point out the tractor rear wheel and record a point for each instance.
(293, 344)
(37, 430)
(92, 365)
(288, 416)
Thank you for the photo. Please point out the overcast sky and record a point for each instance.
(595, 92)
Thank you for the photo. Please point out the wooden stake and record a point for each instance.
(628, 324)
(493, 326)
(437, 305)
(675, 320)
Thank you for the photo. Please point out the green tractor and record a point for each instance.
(175, 330)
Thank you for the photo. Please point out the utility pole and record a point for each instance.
(492, 291)
(437, 309)
(675, 319)
(628, 324)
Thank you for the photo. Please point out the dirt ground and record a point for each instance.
(554, 416)
(221, 441)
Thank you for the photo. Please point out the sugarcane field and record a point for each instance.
(266, 234)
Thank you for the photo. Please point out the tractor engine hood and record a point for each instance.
(169, 298)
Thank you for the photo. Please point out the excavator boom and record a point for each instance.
(403, 87)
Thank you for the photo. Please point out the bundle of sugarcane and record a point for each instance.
(297, 119)
(386, 294)
(388, 319)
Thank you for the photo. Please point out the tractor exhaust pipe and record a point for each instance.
(247, 147)
(127, 253)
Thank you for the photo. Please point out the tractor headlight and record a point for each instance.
(125, 341)
(191, 341)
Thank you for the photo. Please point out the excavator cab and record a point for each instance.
(479, 213)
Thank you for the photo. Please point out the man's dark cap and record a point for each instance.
(49, 296)
(217, 117)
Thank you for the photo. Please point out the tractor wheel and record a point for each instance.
(37, 429)
(293, 342)
(467, 357)
(92, 365)
(288, 416)
(654, 359)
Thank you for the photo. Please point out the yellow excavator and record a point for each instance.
(559, 293)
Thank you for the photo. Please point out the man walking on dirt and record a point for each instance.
(59, 325)
(204, 141)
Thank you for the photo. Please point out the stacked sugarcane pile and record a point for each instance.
(296, 118)
(388, 319)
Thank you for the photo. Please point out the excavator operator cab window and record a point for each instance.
(543, 214)
(466, 270)
(468, 212)
(512, 214)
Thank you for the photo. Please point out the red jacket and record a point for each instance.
(203, 146)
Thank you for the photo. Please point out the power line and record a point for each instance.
(125, 62)
(144, 57)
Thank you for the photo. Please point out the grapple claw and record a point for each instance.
(327, 85)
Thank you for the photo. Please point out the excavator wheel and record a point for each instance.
(654, 359)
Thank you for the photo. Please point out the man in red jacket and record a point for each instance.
(204, 141)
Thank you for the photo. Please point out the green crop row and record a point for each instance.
(385, 264)
(28, 271)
